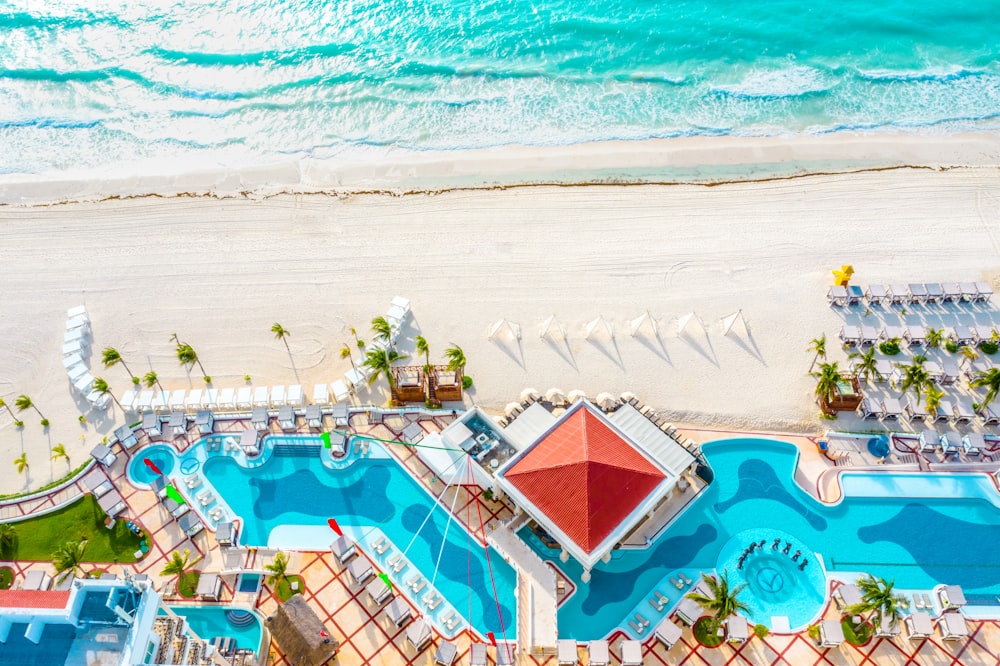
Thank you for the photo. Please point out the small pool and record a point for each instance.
(161, 455)
(210, 621)
(783, 576)
(249, 583)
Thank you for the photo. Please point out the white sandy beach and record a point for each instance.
(220, 272)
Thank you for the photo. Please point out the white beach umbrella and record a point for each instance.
(627, 396)
(530, 394)
(606, 401)
(576, 394)
(555, 396)
(511, 408)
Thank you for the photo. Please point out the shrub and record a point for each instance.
(45, 423)
(989, 347)
(951, 346)
(246, 378)
(81, 418)
(18, 424)
(135, 381)
(813, 632)
(466, 382)
(488, 494)
(890, 347)
(760, 631)
(208, 380)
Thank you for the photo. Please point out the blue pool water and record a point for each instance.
(919, 530)
(249, 583)
(160, 455)
(210, 621)
(51, 650)
(294, 488)
(88, 85)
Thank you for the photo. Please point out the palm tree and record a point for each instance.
(915, 376)
(456, 357)
(178, 564)
(935, 336)
(345, 352)
(111, 356)
(991, 380)
(152, 378)
(382, 330)
(21, 463)
(101, 386)
(278, 569)
(188, 356)
(817, 345)
(721, 601)
(11, 411)
(281, 333)
(380, 361)
(878, 600)
(359, 341)
(423, 348)
(828, 376)
(933, 399)
(23, 402)
(59, 451)
(866, 367)
(7, 535)
(68, 558)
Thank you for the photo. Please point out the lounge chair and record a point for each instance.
(477, 655)
(876, 294)
(916, 410)
(892, 332)
(636, 627)
(340, 391)
(929, 440)
(831, 633)
(951, 443)
(962, 335)
(850, 335)
(935, 292)
(244, 398)
(963, 411)
(897, 294)
(193, 402)
(685, 579)
(953, 626)
(260, 397)
(445, 654)
(951, 292)
(599, 653)
(278, 396)
(916, 293)
(869, 334)
(668, 633)
(632, 653)
(891, 409)
(969, 291)
(321, 394)
(676, 583)
(227, 399)
(918, 625)
(837, 295)
(983, 333)
(973, 443)
(566, 652)
(915, 335)
(983, 292)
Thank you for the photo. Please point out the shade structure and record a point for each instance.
(300, 633)
(606, 401)
(734, 323)
(668, 633)
(599, 653)
(103, 455)
(503, 328)
(399, 613)
(644, 323)
(598, 326)
(689, 323)
(360, 570)
(418, 634)
(631, 653)
(530, 394)
(551, 329)
(576, 394)
(555, 396)
(445, 654)
(379, 591)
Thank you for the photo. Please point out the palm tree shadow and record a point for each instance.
(564, 351)
(295, 370)
(656, 346)
(609, 349)
(749, 346)
(707, 351)
(513, 349)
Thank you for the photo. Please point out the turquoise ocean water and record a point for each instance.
(95, 83)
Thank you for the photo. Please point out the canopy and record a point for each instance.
(504, 326)
(418, 634)
(399, 612)
(645, 322)
(690, 320)
(598, 325)
(551, 328)
(606, 401)
(734, 321)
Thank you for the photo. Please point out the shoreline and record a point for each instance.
(707, 161)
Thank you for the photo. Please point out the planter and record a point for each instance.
(704, 634)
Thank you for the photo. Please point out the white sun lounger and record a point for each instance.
(127, 401)
(244, 397)
(294, 397)
(100, 401)
(77, 334)
(77, 322)
(321, 394)
(71, 360)
(177, 400)
(145, 402)
(278, 396)
(400, 302)
(260, 397)
(77, 311)
(77, 371)
(354, 378)
(161, 401)
(952, 292)
(75, 347)
(193, 401)
(227, 399)
(211, 400)
(340, 391)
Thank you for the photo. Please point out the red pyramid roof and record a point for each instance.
(584, 477)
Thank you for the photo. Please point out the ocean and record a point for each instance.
(87, 85)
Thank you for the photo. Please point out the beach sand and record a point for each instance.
(220, 272)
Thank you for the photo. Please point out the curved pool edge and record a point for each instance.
(265, 634)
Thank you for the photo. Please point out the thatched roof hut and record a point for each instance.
(301, 635)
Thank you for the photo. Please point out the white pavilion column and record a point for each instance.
(607, 557)
(585, 576)
(563, 556)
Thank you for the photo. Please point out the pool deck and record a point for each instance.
(367, 636)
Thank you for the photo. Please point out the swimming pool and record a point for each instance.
(919, 529)
(293, 487)
(161, 455)
(211, 621)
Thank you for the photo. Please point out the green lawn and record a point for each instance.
(704, 634)
(37, 538)
(285, 591)
(857, 634)
(188, 584)
(6, 577)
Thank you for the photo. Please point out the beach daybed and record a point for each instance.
(343, 549)
(360, 570)
(205, 421)
(953, 627)
(667, 633)
(891, 409)
(929, 440)
(888, 628)
(837, 295)
(190, 524)
(897, 294)
(566, 652)
(259, 418)
(193, 402)
(286, 418)
(918, 625)
(915, 335)
(294, 397)
(951, 292)
(831, 633)
(445, 654)
(983, 292)
(278, 396)
(935, 292)
(418, 634)
(916, 409)
(737, 629)
(314, 416)
(850, 335)
(876, 294)
(983, 333)
(962, 335)
(963, 410)
(340, 415)
(340, 391)
(631, 653)
(477, 654)
(399, 614)
(177, 423)
(973, 443)
(260, 397)
(916, 293)
(103, 455)
(951, 442)
(599, 653)
(506, 653)
(244, 398)
(951, 597)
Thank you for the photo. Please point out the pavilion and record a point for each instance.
(588, 483)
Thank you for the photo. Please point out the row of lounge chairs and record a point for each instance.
(952, 443)
(956, 411)
(853, 335)
(909, 294)
(232, 399)
(75, 346)
(919, 624)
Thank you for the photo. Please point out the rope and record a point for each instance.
(444, 539)
(489, 566)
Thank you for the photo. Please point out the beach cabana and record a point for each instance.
(177, 423)
(286, 418)
(445, 654)
(599, 653)
(249, 442)
(209, 586)
(831, 633)
(225, 534)
(953, 627)
(103, 455)
(566, 652)
(190, 524)
(477, 654)
(360, 570)
(343, 549)
(918, 625)
(378, 591)
(506, 653)
(847, 595)
(300, 634)
(259, 418)
(631, 653)
(151, 424)
(125, 436)
(418, 634)
(398, 612)
(112, 503)
(737, 629)
(314, 416)
(951, 597)
(668, 633)
(205, 421)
